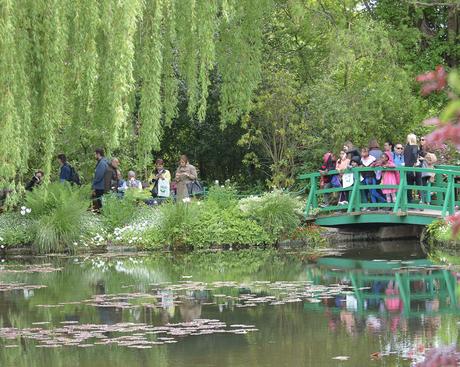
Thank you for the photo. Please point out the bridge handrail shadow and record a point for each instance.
(444, 186)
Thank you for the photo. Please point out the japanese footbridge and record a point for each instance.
(440, 198)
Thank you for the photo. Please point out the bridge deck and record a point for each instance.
(379, 216)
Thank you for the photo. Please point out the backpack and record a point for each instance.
(74, 177)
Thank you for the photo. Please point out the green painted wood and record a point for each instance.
(352, 200)
(364, 218)
(311, 194)
(444, 187)
(330, 191)
(445, 207)
(399, 194)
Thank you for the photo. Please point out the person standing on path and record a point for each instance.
(98, 181)
(111, 176)
(185, 174)
(65, 171)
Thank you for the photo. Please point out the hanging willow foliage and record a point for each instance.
(169, 78)
(69, 68)
(150, 107)
(206, 13)
(51, 32)
(9, 145)
(239, 56)
(83, 61)
(118, 23)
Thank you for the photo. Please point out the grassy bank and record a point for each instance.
(56, 219)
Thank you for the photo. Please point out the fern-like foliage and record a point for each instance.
(57, 211)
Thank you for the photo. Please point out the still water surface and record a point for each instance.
(248, 308)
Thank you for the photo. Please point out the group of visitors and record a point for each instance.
(109, 179)
(412, 154)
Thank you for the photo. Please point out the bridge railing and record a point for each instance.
(445, 185)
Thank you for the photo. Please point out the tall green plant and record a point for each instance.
(278, 213)
(57, 211)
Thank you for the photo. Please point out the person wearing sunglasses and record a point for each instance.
(411, 159)
(398, 155)
(423, 145)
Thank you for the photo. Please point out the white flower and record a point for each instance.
(2, 245)
(23, 208)
(28, 210)
(23, 212)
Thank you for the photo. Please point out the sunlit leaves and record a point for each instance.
(70, 69)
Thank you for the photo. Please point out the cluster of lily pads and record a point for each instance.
(131, 335)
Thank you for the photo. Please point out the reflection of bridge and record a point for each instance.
(440, 198)
(416, 280)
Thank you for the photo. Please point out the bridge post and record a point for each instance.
(401, 192)
(311, 196)
(448, 200)
(354, 202)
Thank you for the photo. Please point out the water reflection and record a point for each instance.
(385, 310)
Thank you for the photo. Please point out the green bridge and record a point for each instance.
(441, 198)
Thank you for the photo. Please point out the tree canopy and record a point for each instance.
(170, 76)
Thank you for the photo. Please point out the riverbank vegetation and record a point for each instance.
(56, 218)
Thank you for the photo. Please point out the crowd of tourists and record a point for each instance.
(108, 178)
(412, 154)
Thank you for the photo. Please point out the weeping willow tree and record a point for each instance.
(71, 69)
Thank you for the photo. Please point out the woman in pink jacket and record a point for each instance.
(389, 177)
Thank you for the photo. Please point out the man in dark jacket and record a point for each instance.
(111, 176)
(65, 172)
(98, 181)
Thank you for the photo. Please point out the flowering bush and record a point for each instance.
(137, 231)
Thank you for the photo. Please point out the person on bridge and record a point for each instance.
(389, 177)
(326, 180)
(398, 155)
(411, 159)
(369, 179)
(374, 149)
(342, 164)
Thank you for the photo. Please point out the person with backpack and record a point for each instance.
(67, 172)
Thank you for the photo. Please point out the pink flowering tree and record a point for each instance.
(447, 124)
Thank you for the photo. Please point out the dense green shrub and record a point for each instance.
(15, 229)
(222, 196)
(279, 214)
(57, 212)
(117, 211)
(217, 226)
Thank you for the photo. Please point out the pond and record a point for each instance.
(246, 308)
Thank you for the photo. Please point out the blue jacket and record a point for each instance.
(66, 173)
(101, 167)
(398, 159)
